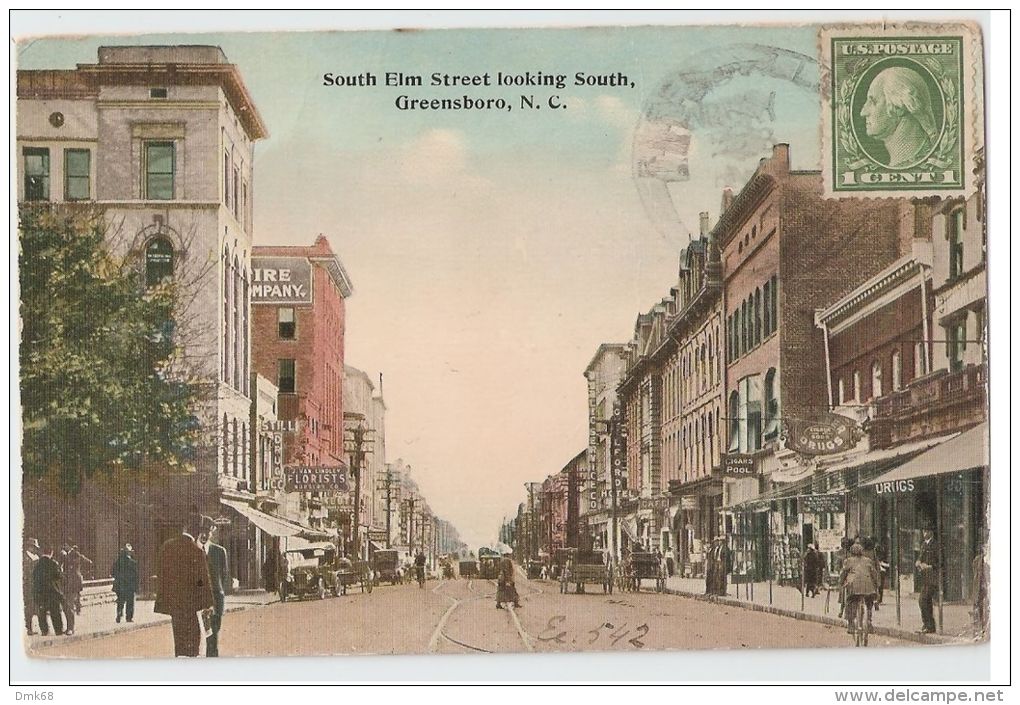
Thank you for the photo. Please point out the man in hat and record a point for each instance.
(927, 566)
(184, 587)
(29, 557)
(216, 559)
(47, 593)
(125, 582)
(506, 588)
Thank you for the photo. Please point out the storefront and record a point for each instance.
(942, 490)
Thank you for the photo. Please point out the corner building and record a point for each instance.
(162, 139)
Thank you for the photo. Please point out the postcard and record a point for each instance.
(478, 341)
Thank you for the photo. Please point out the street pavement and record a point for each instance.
(459, 616)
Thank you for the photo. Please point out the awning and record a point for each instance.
(274, 526)
(967, 451)
(875, 461)
(373, 546)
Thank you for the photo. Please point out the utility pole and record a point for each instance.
(356, 434)
(388, 485)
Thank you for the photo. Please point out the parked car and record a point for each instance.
(386, 564)
(312, 572)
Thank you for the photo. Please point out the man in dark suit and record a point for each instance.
(216, 559)
(927, 576)
(47, 593)
(183, 587)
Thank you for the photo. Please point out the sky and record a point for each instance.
(492, 252)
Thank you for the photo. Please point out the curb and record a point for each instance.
(820, 619)
(31, 646)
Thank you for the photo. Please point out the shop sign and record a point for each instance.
(821, 504)
(826, 434)
(377, 536)
(737, 465)
(593, 445)
(689, 503)
(894, 487)
(280, 426)
(316, 479)
(281, 280)
(829, 539)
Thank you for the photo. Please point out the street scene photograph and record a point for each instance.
(487, 341)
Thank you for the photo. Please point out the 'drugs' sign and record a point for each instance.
(281, 280)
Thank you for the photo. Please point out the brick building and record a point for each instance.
(786, 251)
(299, 324)
(692, 404)
(161, 138)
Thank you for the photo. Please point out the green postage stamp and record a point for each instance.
(900, 108)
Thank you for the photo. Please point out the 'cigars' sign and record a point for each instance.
(316, 479)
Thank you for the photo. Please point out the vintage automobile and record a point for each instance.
(311, 572)
(386, 564)
(468, 569)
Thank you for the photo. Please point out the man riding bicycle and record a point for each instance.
(419, 568)
(860, 579)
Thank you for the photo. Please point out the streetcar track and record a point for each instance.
(440, 631)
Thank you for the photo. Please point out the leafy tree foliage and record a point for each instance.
(99, 387)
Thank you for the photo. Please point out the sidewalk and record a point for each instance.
(101, 620)
(957, 625)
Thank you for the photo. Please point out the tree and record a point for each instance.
(100, 389)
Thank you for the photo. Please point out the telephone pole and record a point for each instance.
(387, 487)
(356, 435)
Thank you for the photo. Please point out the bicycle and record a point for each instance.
(861, 623)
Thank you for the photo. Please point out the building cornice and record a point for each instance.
(899, 272)
(754, 191)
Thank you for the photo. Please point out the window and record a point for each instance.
(956, 344)
(766, 313)
(956, 225)
(225, 262)
(750, 391)
(757, 316)
(876, 379)
(842, 391)
(774, 302)
(225, 443)
(919, 366)
(285, 376)
(236, 201)
(226, 179)
(734, 422)
(76, 174)
(159, 171)
(234, 446)
(857, 386)
(37, 173)
(285, 323)
(897, 371)
(771, 405)
(238, 323)
(159, 261)
(157, 93)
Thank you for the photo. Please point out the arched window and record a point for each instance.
(897, 371)
(245, 330)
(771, 405)
(711, 440)
(734, 421)
(757, 316)
(225, 444)
(235, 271)
(228, 326)
(159, 261)
(234, 450)
(766, 312)
(876, 379)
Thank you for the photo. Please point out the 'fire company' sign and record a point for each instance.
(281, 280)
(301, 478)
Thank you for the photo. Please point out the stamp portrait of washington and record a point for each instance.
(898, 112)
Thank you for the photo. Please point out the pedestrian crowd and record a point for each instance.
(52, 583)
